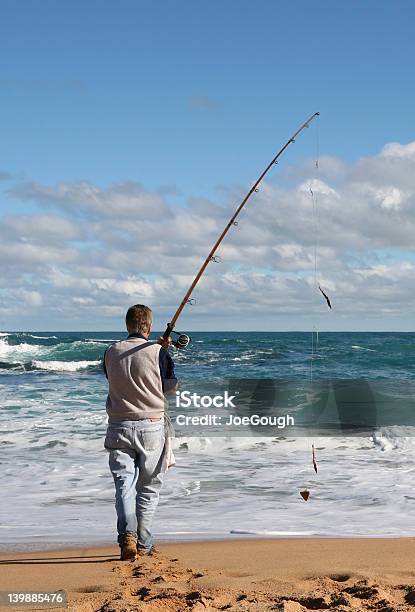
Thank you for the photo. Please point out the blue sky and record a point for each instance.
(190, 100)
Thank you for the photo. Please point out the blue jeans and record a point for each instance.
(135, 458)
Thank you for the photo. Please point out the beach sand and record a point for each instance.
(287, 575)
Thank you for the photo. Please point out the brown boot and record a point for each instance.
(128, 547)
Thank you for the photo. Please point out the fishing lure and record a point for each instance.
(305, 494)
(326, 297)
(314, 460)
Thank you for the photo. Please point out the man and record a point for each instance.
(139, 373)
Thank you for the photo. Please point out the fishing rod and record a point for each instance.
(183, 339)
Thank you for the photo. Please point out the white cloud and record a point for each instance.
(14, 253)
(131, 287)
(390, 197)
(104, 248)
(50, 228)
(31, 298)
(121, 199)
(395, 150)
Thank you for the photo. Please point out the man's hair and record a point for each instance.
(138, 319)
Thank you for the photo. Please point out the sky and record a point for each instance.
(130, 131)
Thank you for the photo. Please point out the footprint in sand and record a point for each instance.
(340, 577)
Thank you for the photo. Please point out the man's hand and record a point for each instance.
(164, 343)
(172, 391)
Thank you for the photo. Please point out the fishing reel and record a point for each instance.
(182, 341)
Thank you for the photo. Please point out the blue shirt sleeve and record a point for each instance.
(168, 377)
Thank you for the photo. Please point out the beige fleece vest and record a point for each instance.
(134, 383)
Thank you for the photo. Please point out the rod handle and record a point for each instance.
(168, 331)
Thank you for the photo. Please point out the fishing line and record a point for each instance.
(315, 232)
(305, 493)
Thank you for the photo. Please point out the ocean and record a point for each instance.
(57, 488)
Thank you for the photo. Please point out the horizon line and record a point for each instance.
(219, 331)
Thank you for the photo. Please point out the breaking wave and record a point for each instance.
(64, 366)
(59, 352)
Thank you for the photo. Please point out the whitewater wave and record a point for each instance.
(279, 534)
(395, 438)
(64, 366)
(221, 445)
(27, 352)
(356, 347)
(42, 337)
(101, 340)
(9, 351)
